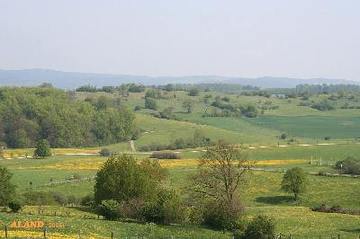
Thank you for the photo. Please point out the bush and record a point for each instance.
(218, 216)
(60, 198)
(123, 178)
(165, 209)
(87, 201)
(15, 206)
(350, 165)
(324, 105)
(262, 227)
(165, 155)
(105, 152)
(193, 92)
(335, 209)
(109, 209)
(42, 149)
(150, 103)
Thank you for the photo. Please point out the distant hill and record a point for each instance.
(71, 80)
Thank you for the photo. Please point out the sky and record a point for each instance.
(299, 38)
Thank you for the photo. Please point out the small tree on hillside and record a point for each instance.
(150, 103)
(188, 105)
(42, 149)
(294, 181)
(7, 189)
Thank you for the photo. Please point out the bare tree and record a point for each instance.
(222, 173)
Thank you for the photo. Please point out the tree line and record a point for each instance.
(28, 115)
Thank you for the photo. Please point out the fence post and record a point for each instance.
(112, 235)
(6, 231)
(45, 230)
(338, 236)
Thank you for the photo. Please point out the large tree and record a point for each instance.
(7, 189)
(222, 173)
(294, 181)
(123, 178)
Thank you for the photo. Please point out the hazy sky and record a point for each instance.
(297, 38)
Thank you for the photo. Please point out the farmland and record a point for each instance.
(312, 140)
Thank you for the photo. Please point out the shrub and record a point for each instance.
(261, 227)
(350, 165)
(87, 201)
(193, 92)
(60, 198)
(165, 155)
(335, 209)
(105, 152)
(122, 178)
(150, 103)
(324, 105)
(283, 136)
(42, 149)
(221, 216)
(165, 209)
(109, 209)
(15, 206)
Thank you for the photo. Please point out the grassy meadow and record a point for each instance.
(71, 171)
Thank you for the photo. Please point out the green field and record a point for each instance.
(71, 171)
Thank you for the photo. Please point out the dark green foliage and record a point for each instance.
(7, 189)
(294, 181)
(220, 215)
(261, 227)
(194, 92)
(167, 113)
(150, 103)
(166, 208)
(350, 165)
(30, 114)
(109, 209)
(249, 111)
(42, 149)
(87, 201)
(283, 136)
(324, 105)
(105, 152)
(15, 206)
(121, 178)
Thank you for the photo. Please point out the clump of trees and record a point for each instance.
(350, 165)
(126, 188)
(323, 105)
(199, 139)
(30, 114)
(294, 181)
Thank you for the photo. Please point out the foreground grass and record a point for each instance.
(297, 221)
